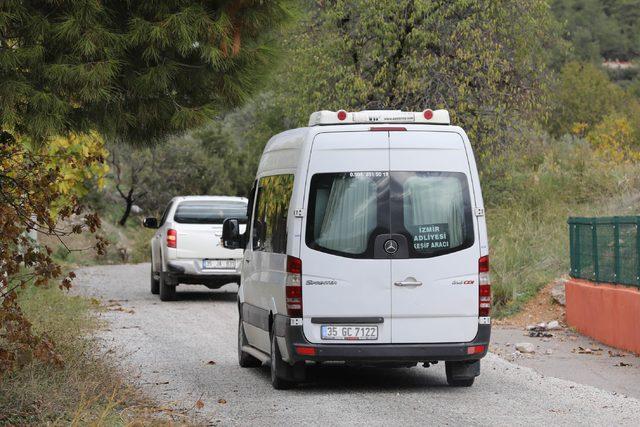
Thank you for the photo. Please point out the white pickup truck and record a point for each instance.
(186, 247)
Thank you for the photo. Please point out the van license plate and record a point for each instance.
(221, 264)
(348, 332)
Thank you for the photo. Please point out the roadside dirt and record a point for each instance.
(542, 308)
(564, 353)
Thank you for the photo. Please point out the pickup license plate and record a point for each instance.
(219, 264)
(348, 332)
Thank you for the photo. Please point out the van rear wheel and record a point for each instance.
(280, 370)
(461, 383)
(461, 374)
(245, 360)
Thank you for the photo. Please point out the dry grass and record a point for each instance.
(89, 388)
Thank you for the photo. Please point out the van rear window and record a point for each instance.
(428, 213)
(210, 212)
(433, 211)
(346, 212)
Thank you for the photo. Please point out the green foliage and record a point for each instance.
(135, 70)
(601, 28)
(530, 191)
(205, 161)
(584, 97)
(484, 61)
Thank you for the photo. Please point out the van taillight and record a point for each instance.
(484, 301)
(293, 288)
(172, 238)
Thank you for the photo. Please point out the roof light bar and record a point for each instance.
(440, 117)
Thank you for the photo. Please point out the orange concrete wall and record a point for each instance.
(606, 312)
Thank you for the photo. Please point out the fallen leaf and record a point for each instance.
(222, 401)
(120, 308)
(211, 362)
(199, 404)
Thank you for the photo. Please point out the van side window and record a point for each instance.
(272, 207)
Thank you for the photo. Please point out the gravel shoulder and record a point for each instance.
(185, 351)
(573, 357)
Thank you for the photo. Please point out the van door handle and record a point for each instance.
(408, 282)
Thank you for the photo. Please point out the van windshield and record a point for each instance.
(210, 212)
(431, 211)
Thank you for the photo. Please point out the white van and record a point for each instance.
(367, 245)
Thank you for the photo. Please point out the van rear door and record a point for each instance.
(345, 274)
(435, 271)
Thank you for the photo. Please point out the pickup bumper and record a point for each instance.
(191, 272)
(376, 353)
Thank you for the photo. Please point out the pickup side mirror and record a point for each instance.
(150, 223)
(231, 238)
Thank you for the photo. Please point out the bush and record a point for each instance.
(615, 140)
(530, 192)
(584, 97)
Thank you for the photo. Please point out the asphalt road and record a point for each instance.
(184, 351)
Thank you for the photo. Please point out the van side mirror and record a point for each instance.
(231, 234)
(150, 223)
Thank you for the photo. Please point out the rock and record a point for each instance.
(557, 292)
(124, 253)
(548, 351)
(525, 347)
(530, 327)
(541, 326)
(136, 209)
(553, 325)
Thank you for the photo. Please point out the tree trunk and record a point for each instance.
(128, 199)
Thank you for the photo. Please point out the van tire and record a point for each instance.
(458, 373)
(245, 360)
(167, 291)
(461, 383)
(155, 283)
(280, 370)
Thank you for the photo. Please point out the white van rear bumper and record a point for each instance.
(378, 353)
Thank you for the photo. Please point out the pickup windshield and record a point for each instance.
(210, 212)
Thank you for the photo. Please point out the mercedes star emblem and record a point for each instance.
(391, 246)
